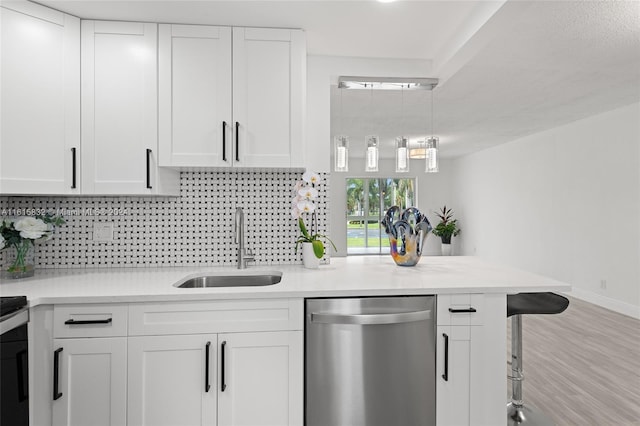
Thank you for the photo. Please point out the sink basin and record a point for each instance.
(232, 280)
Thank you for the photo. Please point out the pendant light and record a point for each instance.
(341, 144)
(402, 144)
(431, 160)
(371, 164)
(371, 142)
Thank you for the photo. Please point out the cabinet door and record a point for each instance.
(268, 97)
(261, 379)
(92, 387)
(119, 110)
(454, 345)
(168, 380)
(40, 120)
(195, 95)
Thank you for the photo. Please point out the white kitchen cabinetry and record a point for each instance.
(471, 337)
(195, 95)
(40, 125)
(253, 349)
(226, 379)
(90, 364)
(231, 97)
(172, 380)
(262, 379)
(92, 382)
(119, 110)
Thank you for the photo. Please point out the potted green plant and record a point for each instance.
(446, 228)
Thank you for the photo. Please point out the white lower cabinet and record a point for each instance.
(260, 383)
(471, 341)
(172, 380)
(453, 374)
(227, 379)
(91, 385)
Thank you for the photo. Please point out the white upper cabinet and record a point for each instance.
(195, 95)
(40, 120)
(231, 97)
(120, 110)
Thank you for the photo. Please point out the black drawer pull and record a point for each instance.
(149, 169)
(56, 374)
(237, 141)
(224, 141)
(81, 322)
(462, 311)
(207, 385)
(223, 384)
(73, 168)
(445, 376)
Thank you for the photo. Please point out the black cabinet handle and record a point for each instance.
(237, 141)
(56, 373)
(73, 168)
(23, 382)
(223, 384)
(224, 141)
(149, 169)
(461, 311)
(81, 322)
(445, 376)
(207, 385)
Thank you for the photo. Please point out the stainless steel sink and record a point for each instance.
(235, 280)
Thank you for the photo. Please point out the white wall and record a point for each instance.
(322, 71)
(563, 203)
(433, 191)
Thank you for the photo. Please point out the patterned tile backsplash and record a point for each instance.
(194, 229)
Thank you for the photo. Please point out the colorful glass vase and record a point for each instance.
(407, 231)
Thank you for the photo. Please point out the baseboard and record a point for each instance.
(624, 308)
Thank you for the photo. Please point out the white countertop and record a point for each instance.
(352, 276)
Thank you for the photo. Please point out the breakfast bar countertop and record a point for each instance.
(351, 276)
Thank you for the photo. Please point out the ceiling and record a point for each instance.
(506, 69)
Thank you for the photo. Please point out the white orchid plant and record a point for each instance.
(21, 234)
(303, 202)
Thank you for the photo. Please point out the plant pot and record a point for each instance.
(20, 261)
(445, 249)
(309, 259)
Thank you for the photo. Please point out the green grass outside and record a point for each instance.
(355, 242)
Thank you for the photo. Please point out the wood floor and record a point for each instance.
(582, 367)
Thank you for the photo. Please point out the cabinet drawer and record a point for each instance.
(106, 320)
(215, 317)
(461, 309)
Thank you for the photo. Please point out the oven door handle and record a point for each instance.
(14, 320)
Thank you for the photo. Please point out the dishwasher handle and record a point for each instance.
(371, 319)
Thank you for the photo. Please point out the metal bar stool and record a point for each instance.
(518, 305)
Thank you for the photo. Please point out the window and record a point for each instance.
(367, 201)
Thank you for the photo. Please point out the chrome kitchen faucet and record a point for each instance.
(244, 255)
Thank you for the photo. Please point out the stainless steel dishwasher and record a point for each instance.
(370, 361)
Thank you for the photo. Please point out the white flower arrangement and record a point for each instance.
(303, 202)
(21, 234)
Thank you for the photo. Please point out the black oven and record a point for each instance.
(14, 362)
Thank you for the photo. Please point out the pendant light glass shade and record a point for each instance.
(341, 153)
(431, 164)
(371, 156)
(402, 155)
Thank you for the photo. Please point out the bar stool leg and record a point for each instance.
(517, 412)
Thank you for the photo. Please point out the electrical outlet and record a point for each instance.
(103, 232)
(603, 284)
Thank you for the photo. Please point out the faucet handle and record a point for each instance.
(249, 256)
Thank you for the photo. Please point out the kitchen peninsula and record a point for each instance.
(140, 321)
